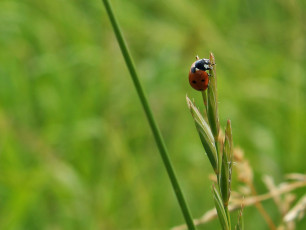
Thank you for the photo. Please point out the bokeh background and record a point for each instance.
(76, 149)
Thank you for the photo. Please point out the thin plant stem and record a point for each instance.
(157, 135)
(204, 96)
(228, 216)
(219, 161)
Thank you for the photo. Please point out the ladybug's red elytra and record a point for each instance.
(198, 77)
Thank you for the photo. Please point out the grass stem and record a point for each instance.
(157, 135)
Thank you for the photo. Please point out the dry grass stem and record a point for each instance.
(297, 211)
(269, 182)
(235, 203)
(296, 176)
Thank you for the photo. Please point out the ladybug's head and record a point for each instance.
(202, 64)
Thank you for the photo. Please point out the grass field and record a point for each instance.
(76, 151)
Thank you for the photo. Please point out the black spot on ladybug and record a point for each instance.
(194, 82)
(202, 80)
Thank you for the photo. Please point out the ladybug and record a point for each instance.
(198, 77)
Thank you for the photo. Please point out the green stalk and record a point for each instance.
(219, 154)
(157, 135)
(228, 217)
(204, 96)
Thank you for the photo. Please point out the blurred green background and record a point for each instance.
(76, 149)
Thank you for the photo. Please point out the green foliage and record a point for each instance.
(221, 160)
(75, 150)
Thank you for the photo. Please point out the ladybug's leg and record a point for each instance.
(211, 65)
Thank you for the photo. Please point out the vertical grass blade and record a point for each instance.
(212, 106)
(158, 138)
(220, 209)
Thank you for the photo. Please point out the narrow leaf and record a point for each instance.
(224, 178)
(228, 133)
(226, 171)
(208, 146)
(197, 116)
(229, 151)
(155, 130)
(205, 134)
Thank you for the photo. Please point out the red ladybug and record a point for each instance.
(198, 77)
